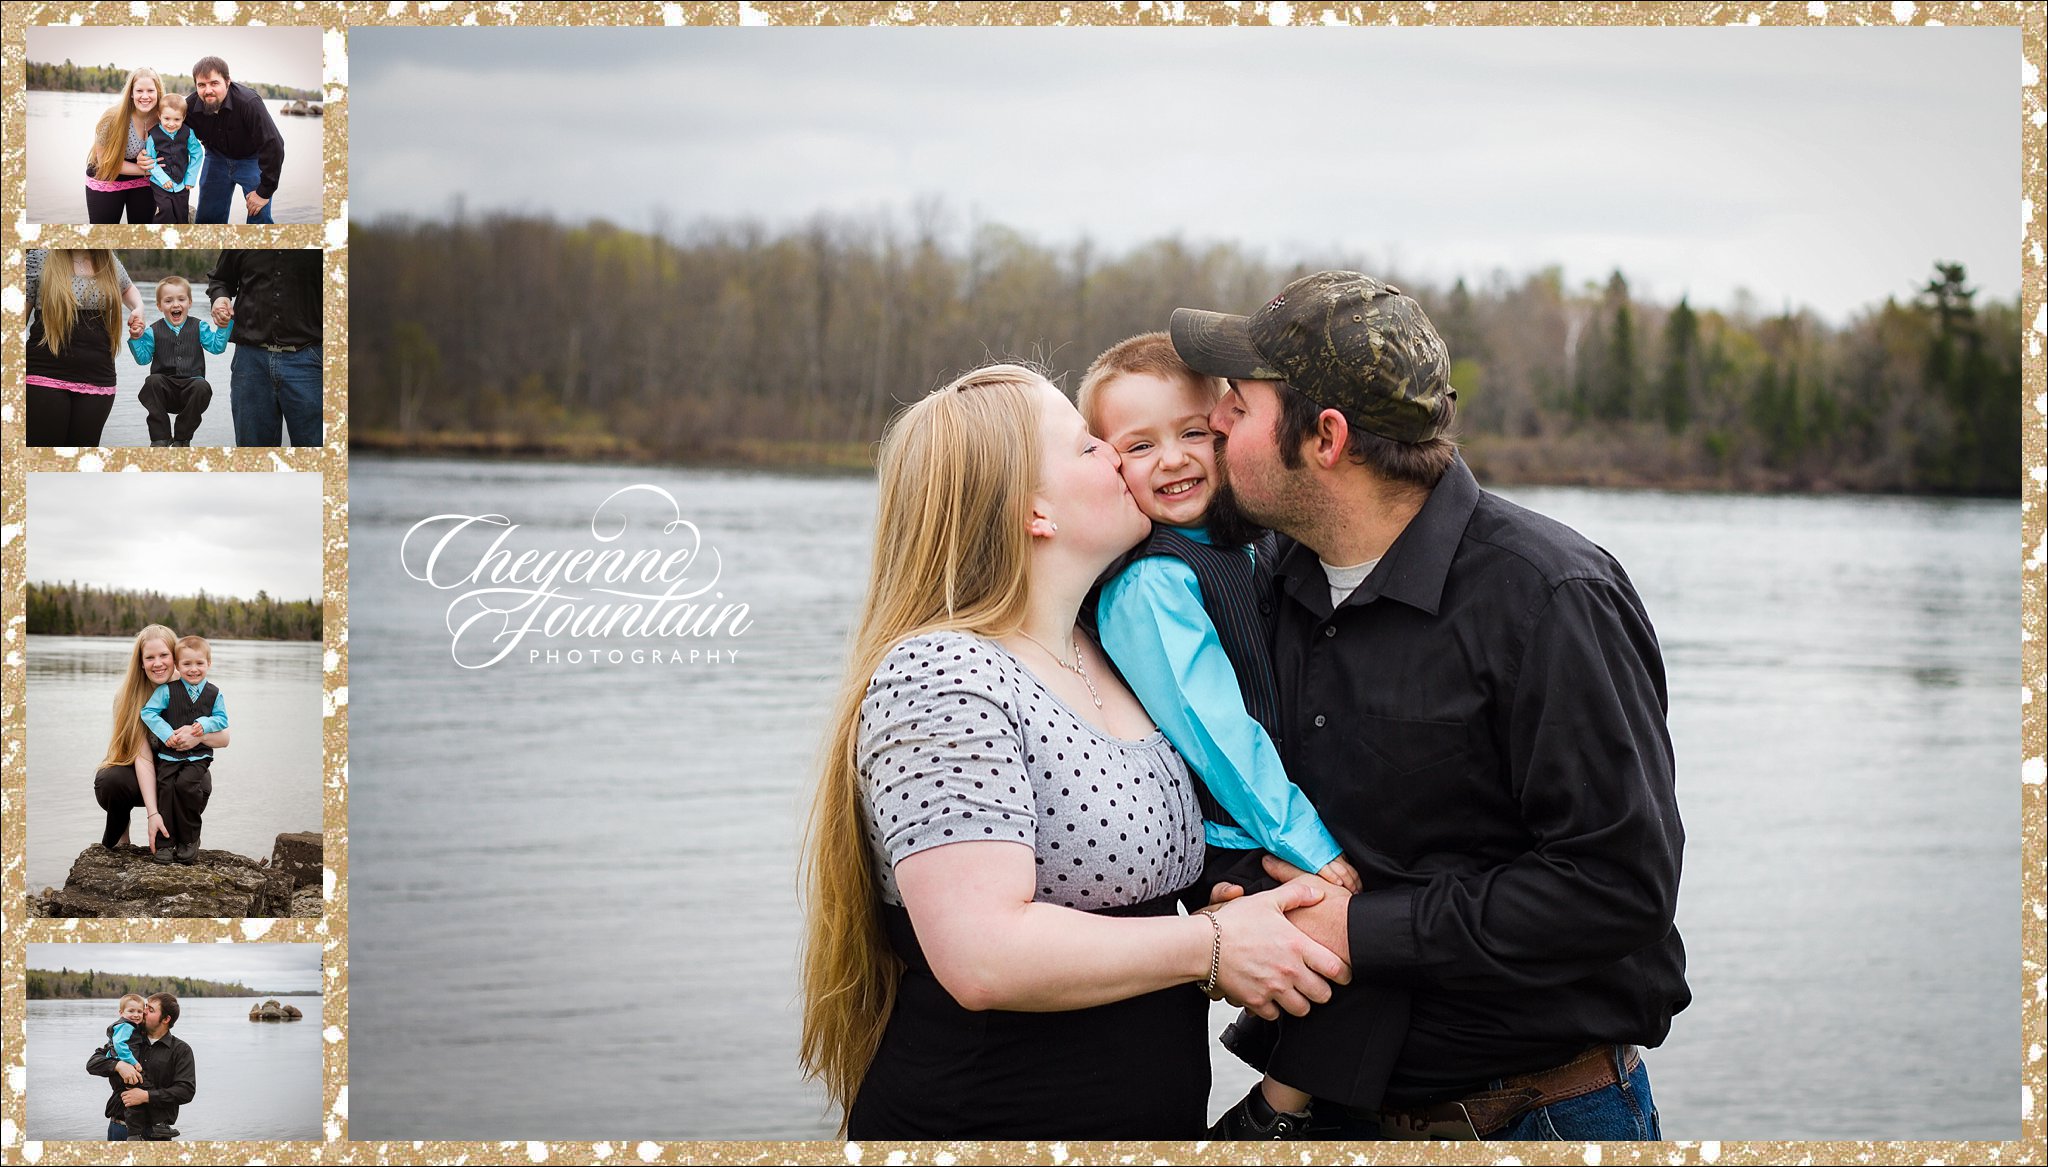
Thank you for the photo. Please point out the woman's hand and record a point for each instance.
(129, 1073)
(134, 325)
(146, 162)
(156, 827)
(1266, 963)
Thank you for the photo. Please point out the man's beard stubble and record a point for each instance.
(1228, 524)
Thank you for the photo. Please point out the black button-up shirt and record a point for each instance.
(276, 292)
(240, 129)
(1481, 725)
(169, 1074)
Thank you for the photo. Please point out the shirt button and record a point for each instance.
(1319, 721)
(1329, 630)
(1265, 608)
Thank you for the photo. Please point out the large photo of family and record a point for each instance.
(131, 347)
(1422, 611)
(175, 125)
(174, 653)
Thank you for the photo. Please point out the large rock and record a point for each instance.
(126, 882)
(297, 854)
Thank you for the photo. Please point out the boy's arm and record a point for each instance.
(1154, 628)
(143, 348)
(122, 1032)
(156, 173)
(217, 720)
(153, 713)
(214, 338)
(195, 154)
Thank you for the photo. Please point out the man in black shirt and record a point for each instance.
(166, 1063)
(1473, 698)
(243, 147)
(273, 297)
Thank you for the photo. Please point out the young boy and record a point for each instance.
(1182, 623)
(121, 1038)
(184, 764)
(176, 356)
(178, 154)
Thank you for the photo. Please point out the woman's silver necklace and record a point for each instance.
(1074, 668)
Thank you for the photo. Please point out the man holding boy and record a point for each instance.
(273, 297)
(166, 1061)
(1473, 698)
(243, 146)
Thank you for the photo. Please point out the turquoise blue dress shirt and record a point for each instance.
(153, 714)
(212, 339)
(195, 153)
(1152, 624)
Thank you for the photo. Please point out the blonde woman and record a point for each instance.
(993, 948)
(75, 328)
(116, 169)
(127, 775)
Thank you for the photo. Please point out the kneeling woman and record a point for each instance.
(127, 777)
(993, 948)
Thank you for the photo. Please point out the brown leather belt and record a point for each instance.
(1481, 1114)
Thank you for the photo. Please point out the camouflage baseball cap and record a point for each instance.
(1345, 341)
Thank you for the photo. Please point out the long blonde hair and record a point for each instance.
(957, 472)
(110, 137)
(128, 739)
(57, 301)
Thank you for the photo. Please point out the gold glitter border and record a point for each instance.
(2031, 1147)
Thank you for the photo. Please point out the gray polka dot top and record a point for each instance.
(960, 742)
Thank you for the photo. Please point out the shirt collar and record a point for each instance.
(1198, 534)
(191, 690)
(1414, 569)
(176, 328)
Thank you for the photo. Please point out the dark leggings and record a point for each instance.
(59, 417)
(107, 206)
(119, 794)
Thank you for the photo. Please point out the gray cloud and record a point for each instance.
(230, 534)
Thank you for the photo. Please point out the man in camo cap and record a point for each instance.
(1474, 699)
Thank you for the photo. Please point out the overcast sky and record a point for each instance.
(231, 534)
(281, 56)
(1824, 167)
(267, 967)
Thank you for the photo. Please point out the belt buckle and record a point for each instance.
(1414, 1127)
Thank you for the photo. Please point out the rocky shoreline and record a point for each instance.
(124, 882)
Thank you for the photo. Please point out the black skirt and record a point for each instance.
(1133, 1069)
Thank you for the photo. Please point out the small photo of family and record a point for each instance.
(160, 1042)
(174, 644)
(175, 125)
(133, 348)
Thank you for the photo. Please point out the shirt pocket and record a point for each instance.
(1402, 747)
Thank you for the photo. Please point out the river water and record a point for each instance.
(265, 782)
(598, 860)
(256, 1080)
(59, 136)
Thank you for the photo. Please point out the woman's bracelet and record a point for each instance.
(1215, 954)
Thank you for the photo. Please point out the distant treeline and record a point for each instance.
(70, 609)
(44, 985)
(72, 78)
(154, 263)
(722, 341)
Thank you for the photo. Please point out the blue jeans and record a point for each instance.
(116, 1132)
(270, 392)
(1619, 1113)
(217, 182)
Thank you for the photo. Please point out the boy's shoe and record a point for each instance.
(181, 443)
(163, 1130)
(161, 854)
(1253, 1118)
(188, 853)
(160, 442)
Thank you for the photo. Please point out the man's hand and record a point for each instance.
(223, 311)
(1327, 921)
(136, 1097)
(256, 204)
(1267, 965)
(129, 1073)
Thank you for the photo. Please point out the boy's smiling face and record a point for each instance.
(1160, 428)
(192, 665)
(132, 1012)
(172, 120)
(173, 300)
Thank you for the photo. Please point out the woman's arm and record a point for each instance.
(992, 947)
(145, 781)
